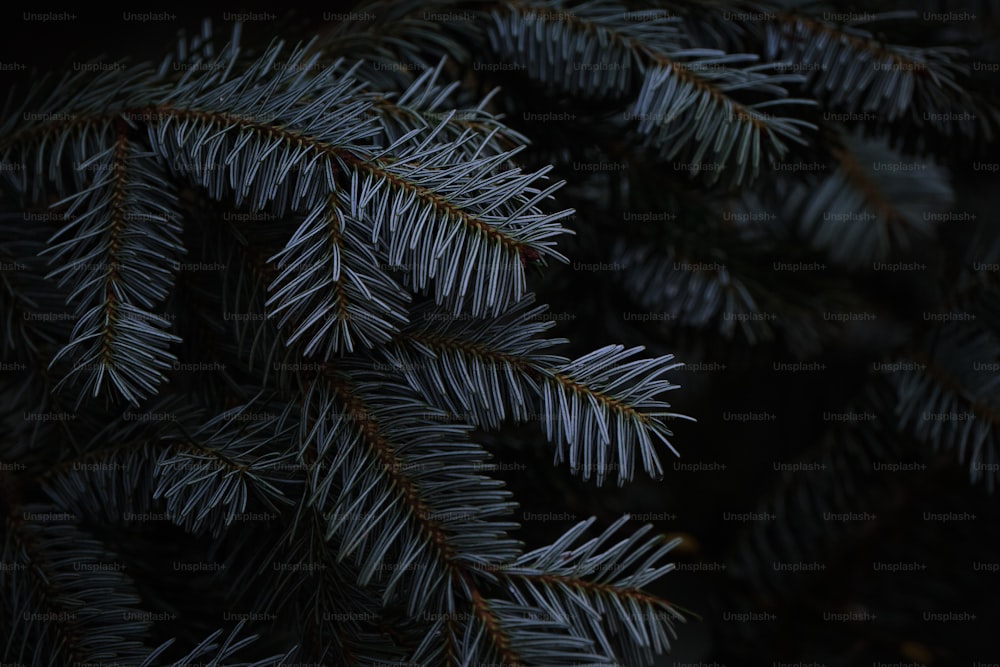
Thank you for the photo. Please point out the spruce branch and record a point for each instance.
(465, 223)
(116, 254)
(363, 210)
(488, 223)
(689, 101)
(426, 102)
(208, 479)
(430, 188)
(888, 81)
(947, 403)
(211, 652)
(481, 371)
(60, 604)
(597, 409)
(496, 631)
(592, 34)
(704, 292)
(507, 633)
(401, 488)
(52, 128)
(871, 206)
(599, 590)
(332, 286)
(601, 407)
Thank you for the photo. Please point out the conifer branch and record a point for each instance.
(871, 206)
(427, 103)
(597, 407)
(208, 479)
(117, 261)
(332, 286)
(407, 484)
(50, 604)
(887, 80)
(686, 94)
(600, 594)
(212, 653)
(384, 219)
(705, 292)
(948, 404)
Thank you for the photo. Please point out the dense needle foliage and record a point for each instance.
(297, 319)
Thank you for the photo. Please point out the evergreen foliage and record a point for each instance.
(277, 307)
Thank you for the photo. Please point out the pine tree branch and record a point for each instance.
(688, 100)
(611, 607)
(497, 631)
(64, 616)
(499, 214)
(46, 129)
(494, 631)
(299, 577)
(596, 406)
(871, 206)
(947, 403)
(365, 184)
(426, 103)
(478, 370)
(117, 263)
(732, 132)
(405, 486)
(208, 478)
(333, 288)
(211, 653)
(889, 79)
